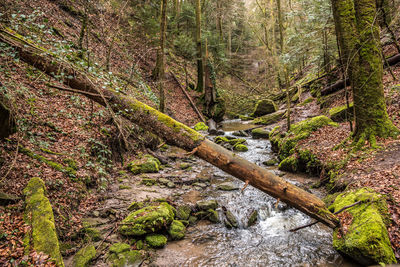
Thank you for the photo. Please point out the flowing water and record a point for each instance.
(267, 243)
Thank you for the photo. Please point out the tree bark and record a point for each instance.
(200, 64)
(173, 132)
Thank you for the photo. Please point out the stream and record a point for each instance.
(268, 242)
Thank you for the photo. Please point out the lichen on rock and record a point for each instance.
(39, 215)
(147, 220)
(366, 239)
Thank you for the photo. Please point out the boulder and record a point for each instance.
(365, 237)
(264, 107)
(147, 220)
(260, 133)
(338, 114)
(156, 240)
(177, 230)
(83, 257)
(145, 164)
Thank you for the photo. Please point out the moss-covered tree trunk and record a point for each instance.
(200, 65)
(359, 43)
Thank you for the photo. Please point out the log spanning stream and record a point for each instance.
(268, 242)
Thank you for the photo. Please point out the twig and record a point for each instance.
(72, 90)
(349, 206)
(104, 239)
(304, 226)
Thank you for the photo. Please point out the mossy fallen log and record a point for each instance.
(39, 215)
(173, 132)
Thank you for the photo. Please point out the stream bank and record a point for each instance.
(267, 242)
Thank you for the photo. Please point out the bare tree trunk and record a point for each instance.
(173, 132)
(200, 64)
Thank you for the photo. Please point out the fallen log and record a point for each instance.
(173, 132)
(391, 61)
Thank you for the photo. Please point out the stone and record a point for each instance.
(228, 186)
(271, 162)
(253, 218)
(156, 240)
(163, 181)
(145, 164)
(171, 184)
(366, 239)
(201, 185)
(264, 107)
(148, 181)
(213, 216)
(177, 230)
(121, 255)
(240, 134)
(207, 204)
(147, 220)
(39, 215)
(240, 148)
(183, 212)
(259, 133)
(231, 219)
(83, 257)
(185, 166)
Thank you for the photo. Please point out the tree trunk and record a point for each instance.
(200, 65)
(173, 132)
(359, 42)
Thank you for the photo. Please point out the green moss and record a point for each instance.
(156, 240)
(147, 220)
(122, 187)
(213, 216)
(84, 256)
(177, 230)
(308, 162)
(231, 141)
(367, 238)
(240, 148)
(307, 101)
(92, 233)
(289, 164)
(260, 133)
(183, 212)
(270, 162)
(338, 114)
(201, 126)
(135, 206)
(39, 215)
(185, 166)
(145, 164)
(245, 118)
(121, 255)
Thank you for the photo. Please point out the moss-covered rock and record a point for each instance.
(145, 164)
(289, 164)
(366, 238)
(92, 234)
(231, 219)
(147, 220)
(121, 255)
(177, 230)
(259, 133)
(240, 148)
(148, 181)
(183, 212)
(39, 215)
(227, 186)
(84, 256)
(135, 206)
(213, 216)
(229, 140)
(270, 118)
(264, 107)
(271, 162)
(252, 219)
(207, 204)
(338, 114)
(156, 240)
(201, 126)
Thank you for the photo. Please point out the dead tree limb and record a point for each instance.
(175, 133)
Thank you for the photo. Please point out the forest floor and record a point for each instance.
(65, 127)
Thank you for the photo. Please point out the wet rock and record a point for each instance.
(228, 186)
(240, 134)
(240, 148)
(163, 181)
(171, 184)
(177, 230)
(253, 218)
(156, 240)
(148, 181)
(259, 133)
(213, 216)
(204, 176)
(207, 204)
(146, 164)
(264, 107)
(271, 162)
(84, 256)
(185, 166)
(121, 255)
(147, 220)
(220, 132)
(231, 219)
(201, 185)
